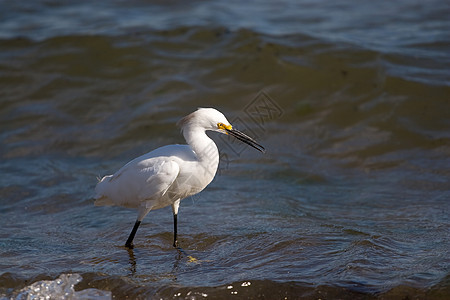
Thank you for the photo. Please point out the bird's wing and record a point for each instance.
(160, 175)
(139, 181)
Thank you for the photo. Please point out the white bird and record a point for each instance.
(171, 173)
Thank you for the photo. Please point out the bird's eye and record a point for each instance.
(223, 126)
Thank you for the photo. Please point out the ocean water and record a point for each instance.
(351, 101)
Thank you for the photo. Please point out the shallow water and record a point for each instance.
(350, 201)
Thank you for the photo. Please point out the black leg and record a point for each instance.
(175, 241)
(129, 242)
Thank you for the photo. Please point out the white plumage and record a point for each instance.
(171, 173)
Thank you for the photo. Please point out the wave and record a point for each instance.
(100, 286)
(357, 136)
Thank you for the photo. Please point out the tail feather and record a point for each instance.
(100, 198)
(102, 201)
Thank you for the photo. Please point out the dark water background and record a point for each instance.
(350, 99)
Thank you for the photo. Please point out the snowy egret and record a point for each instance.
(171, 173)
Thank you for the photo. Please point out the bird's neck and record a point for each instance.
(203, 146)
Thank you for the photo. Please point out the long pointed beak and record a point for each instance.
(246, 139)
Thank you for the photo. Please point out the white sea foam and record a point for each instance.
(61, 288)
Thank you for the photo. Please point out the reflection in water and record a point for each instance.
(131, 260)
(181, 255)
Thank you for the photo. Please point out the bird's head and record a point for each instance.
(214, 120)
